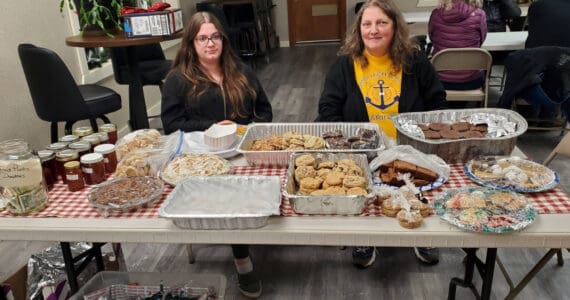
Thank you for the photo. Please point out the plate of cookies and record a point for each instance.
(483, 209)
(423, 178)
(328, 183)
(511, 173)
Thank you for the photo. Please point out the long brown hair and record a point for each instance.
(401, 48)
(235, 85)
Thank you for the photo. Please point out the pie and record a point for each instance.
(188, 165)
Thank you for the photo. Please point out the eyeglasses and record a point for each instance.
(203, 39)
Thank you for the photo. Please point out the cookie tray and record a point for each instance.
(463, 150)
(328, 204)
(281, 157)
(223, 202)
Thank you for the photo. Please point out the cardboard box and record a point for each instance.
(18, 283)
(160, 23)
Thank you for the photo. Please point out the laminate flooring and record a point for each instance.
(293, 81)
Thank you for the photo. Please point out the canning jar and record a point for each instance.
(61, 158)
(93, 168)
(103, 137)
(68, 139)
(93, 139)
(109, 157)
(21, 180)
(82, 147)
(82, 131)
(47, 158)
(56, 147)
(73, 176)
(111, 130)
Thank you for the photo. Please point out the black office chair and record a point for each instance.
(56, 96)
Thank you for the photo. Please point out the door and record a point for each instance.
(316, 20)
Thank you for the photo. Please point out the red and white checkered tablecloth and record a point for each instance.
(65, 204)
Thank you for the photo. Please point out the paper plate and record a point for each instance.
(195, 140)
(491, 218)
(434, 185)
(504, 184)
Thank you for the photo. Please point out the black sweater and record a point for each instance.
(342, 101)
(196, 113)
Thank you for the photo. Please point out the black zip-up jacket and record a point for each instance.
(342, 101)
(498, 12)
(180, 111)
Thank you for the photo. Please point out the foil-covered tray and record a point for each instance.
(281, 157)
(483, 209)
(328, 204)
(223, 202)
(461, 150)
(511, 174)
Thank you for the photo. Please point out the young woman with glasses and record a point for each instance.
(208, 84)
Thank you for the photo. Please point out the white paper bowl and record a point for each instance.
(220, 137)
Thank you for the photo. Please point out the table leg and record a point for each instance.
(486, 271)
(137, 105)
(85, 258)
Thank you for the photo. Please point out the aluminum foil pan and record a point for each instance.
(281, 158)
(223, 202)
(462, 150)
(329, 204)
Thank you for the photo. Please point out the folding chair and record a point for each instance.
(562, 148)
(456, 59)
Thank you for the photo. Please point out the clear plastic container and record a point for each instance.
(21, 179)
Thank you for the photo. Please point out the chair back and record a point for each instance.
(562, 148)
(54, 92)
(146, 54)
(472, 59)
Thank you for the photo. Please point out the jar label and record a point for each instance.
(20, 173)
(88, 170)
(72, 177)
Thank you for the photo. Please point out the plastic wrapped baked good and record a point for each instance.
(140, 139)
(143, 162)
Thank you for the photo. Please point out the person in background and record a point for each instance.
(208, 85)
(458, 24)
(548, 23)
(380, 73)
(499, 12)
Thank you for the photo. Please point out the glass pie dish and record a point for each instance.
(121, 195)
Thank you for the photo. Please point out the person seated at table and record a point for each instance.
(548, 24)
(499, 12)
(380, 73)
(208, 84)
(458, 24)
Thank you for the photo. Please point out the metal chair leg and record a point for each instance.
(191, 257)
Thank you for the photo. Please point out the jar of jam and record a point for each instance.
(109, 157)
(47, 157)
(111, 130)
(93, 139)
(82, 131)
(82, 147)
(93, 168)
(68, 139)
(73, 176)
(56, 147)
(61, 158)
(103, 137)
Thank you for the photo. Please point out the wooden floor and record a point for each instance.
(293, 81)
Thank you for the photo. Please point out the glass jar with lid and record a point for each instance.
(61, 158)
(93, 139)
(47, 158)
(109, 157)
(111, 130)
(82, 131)
(21, 181)
(56, 147)
(82, 147)
(103, 137)
(73, 176)
(93, 168)
(68, 139)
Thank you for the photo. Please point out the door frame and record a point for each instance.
(291, 21)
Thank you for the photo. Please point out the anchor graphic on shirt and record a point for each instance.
(381, 93)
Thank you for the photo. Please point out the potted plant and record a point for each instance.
(97, 15)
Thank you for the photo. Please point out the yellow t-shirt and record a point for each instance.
(380, 87)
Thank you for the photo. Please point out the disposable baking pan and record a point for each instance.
(462, 150)
(328, 204)
(223, 202)
(281, 157)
